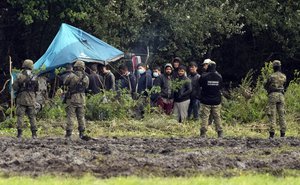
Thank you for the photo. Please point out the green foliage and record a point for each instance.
(8, 123)
(279, 19)
(293, 96)
(248, 104)
(109, 105)
(31, 11)
(54, 109)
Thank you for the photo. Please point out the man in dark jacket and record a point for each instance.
(95, 80)
(166, 96)
(203, 70)
(195, 95)
(109, 80)
(127, 80)
(182, 95)
(155, 78)
(211, 98)
(144, 81)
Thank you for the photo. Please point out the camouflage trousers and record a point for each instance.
(215, 111)
(276, 105)
(21, 111)
(75, 113)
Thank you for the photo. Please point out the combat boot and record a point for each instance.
(202, 133)
(83, 136)
(68, 134)
(34, 135)
(220, 134)
(272, 135)
(282, 134)
(20, 133)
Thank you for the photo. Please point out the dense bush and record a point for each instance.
(292, 96)
(248, 102)
(53, 109)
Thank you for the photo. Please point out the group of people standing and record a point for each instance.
(182, 89)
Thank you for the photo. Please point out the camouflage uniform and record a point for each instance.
(211, 111)
(275, 88)
(26, 87)
(77, 82)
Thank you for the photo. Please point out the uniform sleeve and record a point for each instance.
(67, 80)
(16, 84)
(267, 84)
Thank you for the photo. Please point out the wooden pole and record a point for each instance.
(11, 89)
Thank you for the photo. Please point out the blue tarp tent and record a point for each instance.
(70, 44)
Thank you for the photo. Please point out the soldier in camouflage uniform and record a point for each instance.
(275, 89)
(77, 83)
(26, 86)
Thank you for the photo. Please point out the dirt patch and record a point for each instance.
(107, 157)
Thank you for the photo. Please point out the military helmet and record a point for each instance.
(27, 64)
(276, 63)
(79, 63)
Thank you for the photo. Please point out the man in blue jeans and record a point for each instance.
(194, 98)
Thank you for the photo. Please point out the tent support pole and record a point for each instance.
(11, 89)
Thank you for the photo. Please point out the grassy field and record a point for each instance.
(89, 180)
(155, 126)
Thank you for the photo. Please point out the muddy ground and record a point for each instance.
(107, 157)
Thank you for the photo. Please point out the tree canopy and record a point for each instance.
(238, 34)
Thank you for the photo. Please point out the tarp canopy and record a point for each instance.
(71, 44)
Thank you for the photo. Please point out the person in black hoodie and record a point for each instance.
(182, 95)
(211, 83)
(177, 61)
(165, 99)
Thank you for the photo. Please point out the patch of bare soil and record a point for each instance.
(108, 157)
